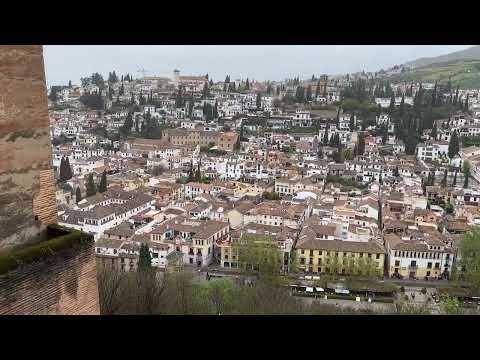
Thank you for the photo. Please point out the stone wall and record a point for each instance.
(26, 174)
(64, 284)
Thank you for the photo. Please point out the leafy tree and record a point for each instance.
(97, 80)
(451, 306)
(258, 254)
(271, 196)
(454, 145)
(90, 186)
(78, 195)
(470, 258)
(102, 187)
(93, 101)
(144, 259)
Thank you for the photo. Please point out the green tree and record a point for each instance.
(455, 178)
(352, 122)
(444, 180)
(102, 187)
(451, 306)
(300, 94)
(454, 145)
(63, 170)
(144, 259)
(309, 93)
(466, 173)
(247, 85)
(78, 195)
(126, 128)
(198, 173)
(470, 258)
(361, 144)
(90, 186)
(70, 84)
(433, 133)
(259, 101)
(53, 96)
(258, 254)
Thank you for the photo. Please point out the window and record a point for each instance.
(428, 273)
(302, 261)
(191, 261)
(397, 262)
(437, 265)
(429, 265)
(369, 255)
(378, 256)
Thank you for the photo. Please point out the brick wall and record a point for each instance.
(65, 284)
(26, 174)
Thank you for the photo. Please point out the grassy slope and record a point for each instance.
(464, 74)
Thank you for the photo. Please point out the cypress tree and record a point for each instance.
(68, 169)
(466, 173)
(317, 90)
(247, 85)
(433, 133)
(144, 259)
(444, 180)
(325, 136)
(259, 101)
(90, 186)
(63, 170)
(102, 187)
(455, 178)
(402, 105)
(453, 146)
(78, 195)
(70, 84)
(309, 93)
(396, 173)
(392, 104)
(361, 145)
(352, 122)
(198, 174)
(466, 103)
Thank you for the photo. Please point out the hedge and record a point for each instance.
(60, 238)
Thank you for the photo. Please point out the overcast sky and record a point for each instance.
(260, 62)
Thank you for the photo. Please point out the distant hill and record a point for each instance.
(461, 67)
(465, 74)
(472, 53)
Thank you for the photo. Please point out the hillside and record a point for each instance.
(472, 53)
(465, 74)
